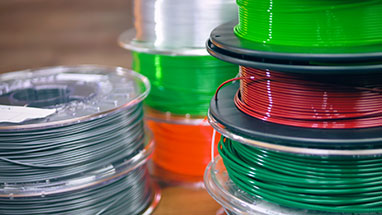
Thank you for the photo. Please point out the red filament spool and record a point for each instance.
(311, 100)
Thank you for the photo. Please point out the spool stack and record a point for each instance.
(168, 46)
(302, 131)
(72, 141)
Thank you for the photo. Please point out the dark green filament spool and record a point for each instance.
(182, 84)
(342, 184)
(306, 23)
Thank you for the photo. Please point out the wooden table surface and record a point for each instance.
(37, 33)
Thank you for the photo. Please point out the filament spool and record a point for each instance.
(225, 45)
(90, 142)
(81, 93)
(234, 124)
(183, 146)
(184, 32)
(315, 24)
(186, 39)
(250, 132)
(318, 101)
(153, 23)
(266, 50)
(236, 202)
(128, 190)
(341, 184)
(182, 85)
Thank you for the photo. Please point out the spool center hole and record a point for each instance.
(41, 97)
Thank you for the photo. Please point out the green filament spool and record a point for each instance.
(306, 23)
(182, 84)
(343, 184)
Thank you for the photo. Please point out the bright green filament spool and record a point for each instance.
(307, 23)
(182, 84)
(331, 184)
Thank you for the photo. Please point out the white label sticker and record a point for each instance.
(18, 114)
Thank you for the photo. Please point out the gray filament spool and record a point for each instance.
(87, 155)
(126, 195)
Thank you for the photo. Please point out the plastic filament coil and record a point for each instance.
(298, 144)
(72, 141)
(344, 184)
(182, 84)
(307, 23)
(182, 148)
(302, 125)
(168, 46)
(180, 24)
(319, 101)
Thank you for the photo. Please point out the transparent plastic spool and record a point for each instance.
(83, 93)
(128, 41)
(237, 202)
(168, 117)
(77, 94)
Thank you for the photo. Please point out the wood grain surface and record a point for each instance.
(37, 33)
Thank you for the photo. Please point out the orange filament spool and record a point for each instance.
(181, 148)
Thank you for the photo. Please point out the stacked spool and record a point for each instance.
(302, 131)
(168, 46)
(72, 141)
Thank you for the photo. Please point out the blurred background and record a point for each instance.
(35, 33)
